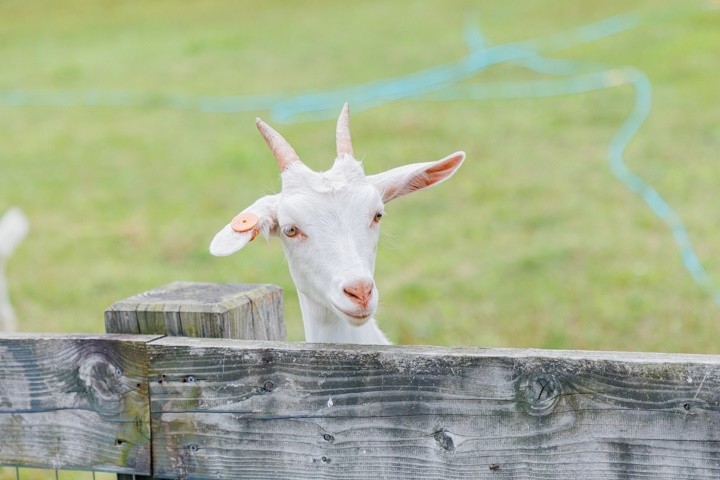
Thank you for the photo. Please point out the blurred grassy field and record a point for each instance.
(532, 244)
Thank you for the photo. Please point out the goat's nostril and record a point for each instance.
(359, 292)
(349, 292)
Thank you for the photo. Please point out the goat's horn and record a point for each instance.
(342, 133)
(281, 149)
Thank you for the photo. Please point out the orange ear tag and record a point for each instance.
(244, 222)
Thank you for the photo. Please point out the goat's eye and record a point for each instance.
(378, 216)
(290, 231)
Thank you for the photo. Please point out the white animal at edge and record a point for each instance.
(328, 223)
(13, 228)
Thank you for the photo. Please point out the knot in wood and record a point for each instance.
(538, 394)
(444, 440)
(103, 383)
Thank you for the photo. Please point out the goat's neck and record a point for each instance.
(322, 325)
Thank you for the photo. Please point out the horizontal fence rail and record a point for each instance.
(75, 402)
(176, 407)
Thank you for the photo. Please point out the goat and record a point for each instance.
(328, 223)
(13, 228)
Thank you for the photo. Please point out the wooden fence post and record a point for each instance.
(210, 310)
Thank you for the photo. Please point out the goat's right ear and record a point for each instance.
(228, 241)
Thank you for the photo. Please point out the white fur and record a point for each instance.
(334, 250)
(13, 228)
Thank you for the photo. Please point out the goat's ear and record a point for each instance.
(228, 241)
(409, 178)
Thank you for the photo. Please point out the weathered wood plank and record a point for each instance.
(252, 312)
(75, 402)
(226, 409)
(202, 310)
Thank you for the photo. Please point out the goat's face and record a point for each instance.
(329, 224)
(329, 221)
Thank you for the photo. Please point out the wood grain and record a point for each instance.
(75, 402)
(243, 409)
(223, 409)
(211, 310)
(202, 310)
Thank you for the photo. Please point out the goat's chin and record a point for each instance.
(356, 319)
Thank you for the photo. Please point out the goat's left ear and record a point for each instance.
(409, 178)
(229, 240)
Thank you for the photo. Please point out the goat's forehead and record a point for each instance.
(334, 191)
(336, 197)
(345, 174)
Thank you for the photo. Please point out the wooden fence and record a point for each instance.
(144, 402)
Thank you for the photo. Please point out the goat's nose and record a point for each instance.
(359, 292)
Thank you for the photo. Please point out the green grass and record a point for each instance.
(532, 244)
(9, 473)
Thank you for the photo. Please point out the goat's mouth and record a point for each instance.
(356, 318)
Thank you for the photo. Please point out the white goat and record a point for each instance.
(328, 224)
(13, 228)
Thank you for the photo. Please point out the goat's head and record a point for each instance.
(329, 221)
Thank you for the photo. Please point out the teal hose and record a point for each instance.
(441, 83)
